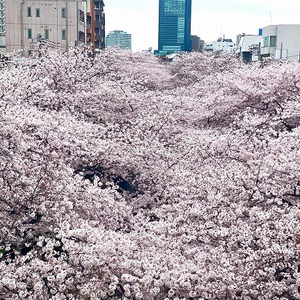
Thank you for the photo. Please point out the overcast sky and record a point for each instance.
(210, 18)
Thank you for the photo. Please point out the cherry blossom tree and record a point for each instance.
(124, 177)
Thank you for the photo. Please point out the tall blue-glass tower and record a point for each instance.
(174, 26)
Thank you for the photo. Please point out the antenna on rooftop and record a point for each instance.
(271, 17)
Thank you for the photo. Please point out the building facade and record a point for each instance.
(95, 21)
(197, 43)
(119, 38)
(174, 26)
(2, 26)
(221, 45)
(247, 47)
(99, 25)
(90, 23)
(32, 24)
(281, 41)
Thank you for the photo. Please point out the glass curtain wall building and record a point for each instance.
(174, 26)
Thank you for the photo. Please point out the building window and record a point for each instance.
(81, 15)
(175, 48)
(28, 11)
(88, 21)
(63, 35)
(97, 5)
(37, 13)
(266, 41)
(63, 12)
(46, 34)
(272, 41)
(29, 33)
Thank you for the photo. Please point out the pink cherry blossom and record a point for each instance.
(125, 177)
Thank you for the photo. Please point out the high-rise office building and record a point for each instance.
(118, 38)
(174, 26)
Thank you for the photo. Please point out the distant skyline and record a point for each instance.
(210, 19)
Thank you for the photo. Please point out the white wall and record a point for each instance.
(287, 41)
(247, 41)
(289, 36)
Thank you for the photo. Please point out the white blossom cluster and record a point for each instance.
(123, 177)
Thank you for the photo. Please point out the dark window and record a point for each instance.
(81, 15)
(29, 33)
(28, 11)
(272, 41)
(46, 34)
(63, 12)
(81, 36)
(266, 41)
(37, 13)
(88, 21)
(63, 35)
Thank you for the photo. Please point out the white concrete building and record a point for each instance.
(248, 46)
(31, 24)
(281, 41)
(221, 45)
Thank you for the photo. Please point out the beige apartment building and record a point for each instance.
(33, 24)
